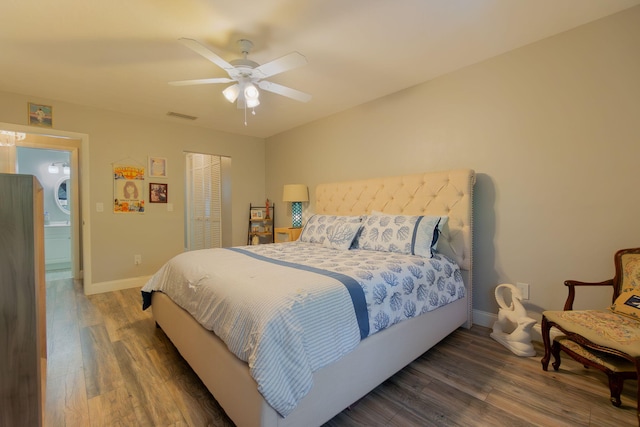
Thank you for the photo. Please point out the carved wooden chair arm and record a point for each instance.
(571, 284)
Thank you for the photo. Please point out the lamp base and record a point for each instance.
(296, 214)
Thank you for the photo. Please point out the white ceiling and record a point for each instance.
(120, 54)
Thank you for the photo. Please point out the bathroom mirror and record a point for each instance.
(61, 194)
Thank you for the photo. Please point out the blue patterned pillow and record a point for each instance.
(315, 229)
(340, 235)
(406, 234)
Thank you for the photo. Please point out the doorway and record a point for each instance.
(53, 170)
(62, 152)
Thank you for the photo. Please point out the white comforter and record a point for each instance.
(288, 322)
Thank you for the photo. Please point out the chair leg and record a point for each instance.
(616, 383)
(638, 392)
(545, 330)
(555, 350)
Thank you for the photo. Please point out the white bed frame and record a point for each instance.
(376, 358)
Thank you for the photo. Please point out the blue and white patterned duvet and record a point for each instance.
(286, 322)
(396, 286)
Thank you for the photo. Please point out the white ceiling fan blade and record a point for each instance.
(201, 49)
(277, 66)
(201, 81)
(284, 91)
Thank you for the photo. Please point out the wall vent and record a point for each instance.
(181, 116)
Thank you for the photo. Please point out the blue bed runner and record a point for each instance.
(355, 290)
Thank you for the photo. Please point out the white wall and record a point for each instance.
(158, 234)
(553, 132)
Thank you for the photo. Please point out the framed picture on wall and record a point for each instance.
(256, 214)
(157, 167)
(40, 115)
(158, 193)
(128, 189)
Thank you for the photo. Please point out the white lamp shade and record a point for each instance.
(295, 193)
(53, 168)
(231, 93)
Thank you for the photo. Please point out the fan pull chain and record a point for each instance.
(253, 112)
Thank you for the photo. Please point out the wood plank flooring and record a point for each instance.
(110, 366)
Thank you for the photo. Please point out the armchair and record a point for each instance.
(608, 339)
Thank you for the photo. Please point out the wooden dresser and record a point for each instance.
(23, 342)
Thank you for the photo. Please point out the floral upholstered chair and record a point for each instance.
(608, 339)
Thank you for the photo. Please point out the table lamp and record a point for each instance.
(296, 194)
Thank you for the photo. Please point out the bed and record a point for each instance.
(375, 355)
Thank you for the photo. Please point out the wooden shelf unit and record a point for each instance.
(261, 229)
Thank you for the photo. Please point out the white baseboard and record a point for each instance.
(116, 285)
(484, 318)
(487, 320)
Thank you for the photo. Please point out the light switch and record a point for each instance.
(99, 207)
(169, 207)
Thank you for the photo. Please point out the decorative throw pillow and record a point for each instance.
(315, 229)
(628, 304)
(441, 227)
(630, 272)
(407, 234)
(340, 234)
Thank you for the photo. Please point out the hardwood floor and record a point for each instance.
(110, 366)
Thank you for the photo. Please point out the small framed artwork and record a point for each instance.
(158, 193)
(40, 115)
(256, 214)
(157, 167)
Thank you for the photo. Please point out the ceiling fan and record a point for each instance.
(246, 74)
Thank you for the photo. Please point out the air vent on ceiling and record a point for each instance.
(181, 116)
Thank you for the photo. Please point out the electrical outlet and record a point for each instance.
(137, 259)
(524, 290)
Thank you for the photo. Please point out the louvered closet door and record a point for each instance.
(204, 228)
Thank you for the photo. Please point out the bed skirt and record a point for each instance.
(336, 386)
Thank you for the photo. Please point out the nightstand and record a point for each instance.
(287, 234)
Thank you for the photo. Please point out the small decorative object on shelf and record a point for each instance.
(261, 224)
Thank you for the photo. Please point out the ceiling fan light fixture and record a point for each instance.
(247, 75)
(231, 93)
(251, 92)
(252, 103)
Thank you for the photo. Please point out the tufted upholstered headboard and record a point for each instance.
(433, 193)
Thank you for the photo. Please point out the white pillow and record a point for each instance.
(407, 234)
(315, 229)
(340, 235)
